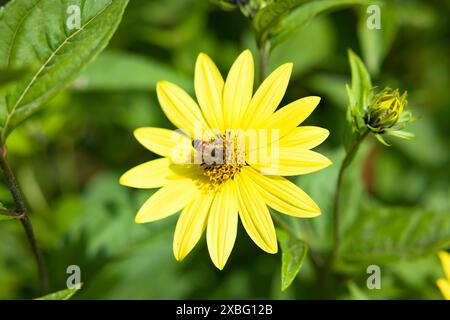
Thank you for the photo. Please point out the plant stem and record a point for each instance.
(9, 213)
(336, 212)
(21, 213)
(264, 51)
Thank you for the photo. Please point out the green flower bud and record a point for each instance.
(385, 110)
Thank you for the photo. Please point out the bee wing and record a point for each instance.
(197, 144)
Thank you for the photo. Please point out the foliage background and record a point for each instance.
(69, 156)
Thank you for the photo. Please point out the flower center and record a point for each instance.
(222, 157)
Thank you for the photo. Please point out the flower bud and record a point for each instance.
(385, 109)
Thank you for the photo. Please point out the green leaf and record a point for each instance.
(36, 36)
(4, 217)
(387, 234)
(293, 253)
(307, 47)
(8, 76)
(401, 134)
(361, 83)
(358, 97)
(280, 29)
(65, 294)
(111, 70)
(272, 13)
(375, 43)
(224, 4)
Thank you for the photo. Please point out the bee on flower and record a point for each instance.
(209, 170)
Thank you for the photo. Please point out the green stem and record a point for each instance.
(336, 212)
(21, 213)
(9, 213)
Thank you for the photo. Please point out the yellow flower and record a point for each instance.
(213, 194)
(444, 284)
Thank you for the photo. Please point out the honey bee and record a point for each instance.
(212, 151)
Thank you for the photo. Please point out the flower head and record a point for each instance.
(228, 157)
(385, 114)
(385, 110)
(442, 283)
(381, 113)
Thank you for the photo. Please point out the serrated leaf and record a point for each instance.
(301, 16)
(36, 36)
(65, 294)
(386, 234)
(293, 253)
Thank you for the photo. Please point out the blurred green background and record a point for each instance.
(68, 157)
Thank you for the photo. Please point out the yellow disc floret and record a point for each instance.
(222, 157)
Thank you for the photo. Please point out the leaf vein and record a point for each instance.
(46, 63)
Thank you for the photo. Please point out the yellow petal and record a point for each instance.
(306, 137)
(238, 90)
(255, 215)
(208, 89)
(190, 225)
(445, 261)
(291, 162)
(283, 195)
(289, 117)
(444, 286)
(268, 96)
(179, 108)
(222, 225)
(166, 201)
(151, 174)
(167, 143)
